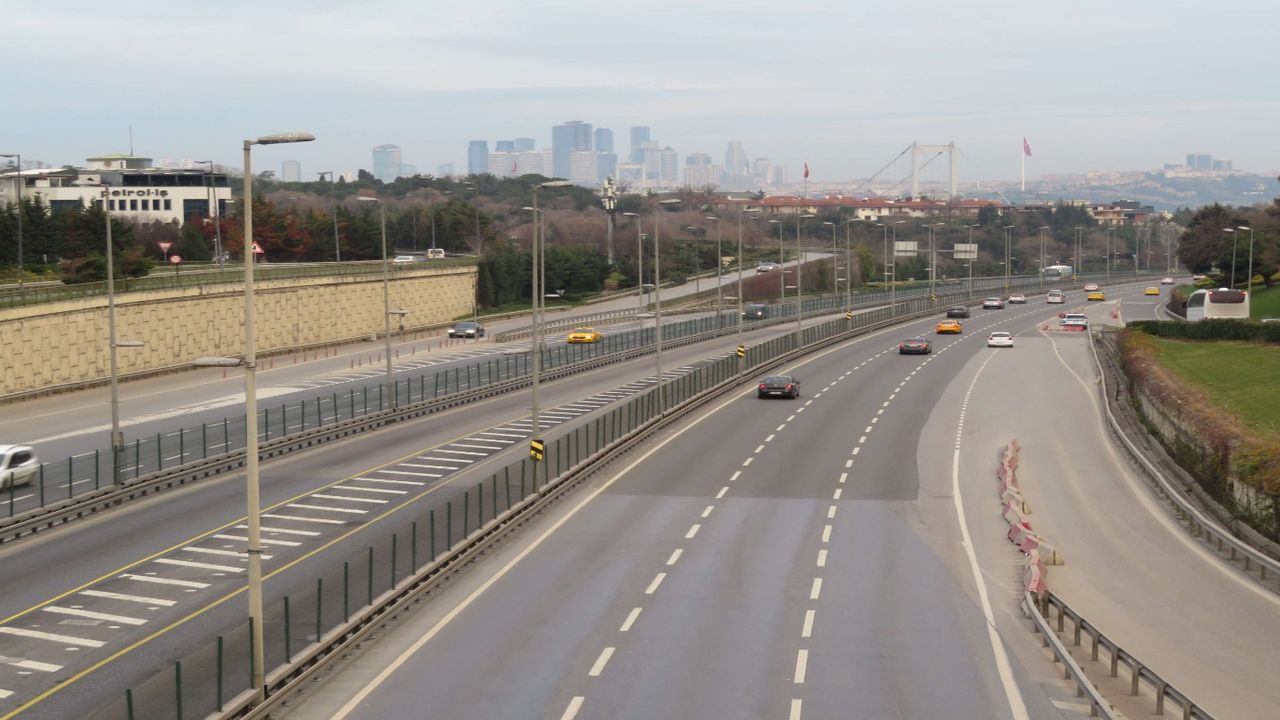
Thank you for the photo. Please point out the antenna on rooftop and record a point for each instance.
(131, 140)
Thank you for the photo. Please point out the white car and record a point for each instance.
(1074, 320)
(765, 267)
(993, 303)
(1166, 281)
(1017, 299)
(1000, 339)
(1091, 287)
(18, 465)
(1055, 297)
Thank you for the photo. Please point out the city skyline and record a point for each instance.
(1093, 86)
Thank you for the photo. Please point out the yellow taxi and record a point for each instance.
(1153, 290)
(1096, 295)
(584, 335)
(949, 326)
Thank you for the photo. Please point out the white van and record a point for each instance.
(435, 253)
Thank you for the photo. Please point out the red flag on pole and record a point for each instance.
(1026, 147)
(806, 169)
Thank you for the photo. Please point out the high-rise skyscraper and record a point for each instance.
(386, 162)
(478, 157)
(504, 146)
(668, 165)
(573, 136)
(697, 170)
(582, 167)
(445, 170)
(604, 140)
(639, 139)
(606, 165)
(523, 144)
(735, 160)
(291, 171)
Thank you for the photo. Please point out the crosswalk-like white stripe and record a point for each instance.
(165, 581)
(299, 518)
(390, 481)
(478, 447)
(384, 491)
(463, 452)
(282, 531)
(129, 598)
(322, 508)
(446, 459)
(199, 565)
(91, 615)
(5, 693)
(429, 467)
(33, 665)
(221, 553)
(410, 472)
(264, 541)
(371, 501)
(51, 637)
(501, 434)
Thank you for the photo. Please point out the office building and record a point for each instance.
(523, 144)
(502, 164)
(582, 167)
(604, 140)
(606, 165)
(668, 166)
(639, 139)
(697, 170)
(650, 158)
(445, 170)
(477, 157)
(571, 137)
(534, 162)
(735, 160)
(291, 171)
(386, 162)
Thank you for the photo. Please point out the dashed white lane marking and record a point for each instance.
(759, 448)
(693, 530)
(862, 439)
(857, 450)
(653, 586)
(790, 418)
(480, 447)
(843, 476)
(831, 512)
(128, 598)
(808, 403)
(303, 518)
(848, 463)
(807, 630)
(816, 590)
(199, 565)
(802, 665)
(575, 705)
(770, 438)
(5, 693)
(707, 512)
(885, 405)
(675, 555)
(723, 490)
(501, 434)
(874, 420)
(826, 533)
(795, 709)
(51, 637)
(736, 474)
(869, 428)
(601, 662)
(450, 468)
(165, 581)
(33, 665)
(631, 619)
(91, 615)
(780, 427)
(822, 558)
(746, 462)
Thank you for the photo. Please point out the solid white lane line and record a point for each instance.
(282, 531)
(264, 541)
(128, 598)
(795, 709)
(51, 637)
(199, 565)
(300, 518)
(371, 501)
(91, 615)
(723, 490)
(707, 512)
(570, 712)
(807, 630)
(653, 586)
(390, 481)
(413, 473)
(601, 662)
(802, 666)
(33, 665)
(631, 619)
(322, 508)
(693, 530)
(816, 590)
(164, 581)
(384, 491)
(675, 555)
(826, 533)
(822, 558)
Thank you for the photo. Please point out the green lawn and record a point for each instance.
(1242, 377)
(1265, 302)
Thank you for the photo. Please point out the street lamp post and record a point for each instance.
(253, 521)
(337, 246)
(20, 183)
(535, 429)
(971, 227)
(799, 280)
(933, 261)
(1043, 229)
(1249, 282)
(782, 259)
(1075, 259)
(719, 267)
(657, 306)
(386, 301)
(835, 270)
(639, 259)
(1008, 232)
(741, 360)
(212, 197)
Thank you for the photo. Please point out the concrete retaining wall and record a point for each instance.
(66, 342)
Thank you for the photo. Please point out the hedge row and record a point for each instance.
(1210, 329)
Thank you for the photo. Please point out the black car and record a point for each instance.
(957, 311)
(755, 312)
(914, 346)
(466, 330)
(787, 386)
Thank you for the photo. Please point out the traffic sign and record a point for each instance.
(537, 450)
(175, 259)
(257, 249)
(164, 246)
(848, 314)
(742, 351)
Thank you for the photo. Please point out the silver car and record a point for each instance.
(18, 465)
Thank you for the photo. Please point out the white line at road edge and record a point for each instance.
(1017, 707)
(418, 644)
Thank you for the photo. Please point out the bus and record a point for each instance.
(1059, 272)
(1221, 303)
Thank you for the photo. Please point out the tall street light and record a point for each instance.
(21, 182)
(933, 260)
(1075, 260)
(657, 303)
(893, 273)
(782, 259)
(741, 360)
(1232, 283)
(971, 227)
(1249, 284)
(1008, 233)
(848, 270)
(1043, 229)
(386, 301)
(214, 211)
(719, 267)
(253, 521)
(535, 428)
(835, 270)
(799, 279)
(337, 245)
(639, 260)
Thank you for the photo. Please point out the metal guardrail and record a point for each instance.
(610, 316)
(1203, 527)
(1041, 611)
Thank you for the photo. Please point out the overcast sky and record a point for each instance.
(1092, 84)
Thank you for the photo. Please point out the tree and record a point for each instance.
(1204, 243)
(192, 244)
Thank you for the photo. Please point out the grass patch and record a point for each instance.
(1239, 377)
(1265, 302)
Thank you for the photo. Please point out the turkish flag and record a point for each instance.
(806, 169)
(1026, 147)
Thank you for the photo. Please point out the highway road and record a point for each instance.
(767, 559)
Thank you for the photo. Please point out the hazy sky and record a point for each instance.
(845, 85)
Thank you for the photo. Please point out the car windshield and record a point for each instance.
(466, 325)
(777, 380)
(585, 331)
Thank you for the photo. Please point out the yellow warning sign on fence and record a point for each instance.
(742, 351)
(537, 450)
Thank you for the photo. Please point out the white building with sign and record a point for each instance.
(136, 191)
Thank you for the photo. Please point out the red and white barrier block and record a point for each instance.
(1038, 553)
